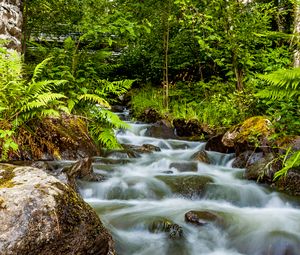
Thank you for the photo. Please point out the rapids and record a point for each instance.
(256, 220)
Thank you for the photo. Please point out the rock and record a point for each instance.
(145, 148)
(290, 183)
(185, 166)
(201, 218)
(215, 144)
(252, 133)
(117, 108)
(64, 138)
(164, 225)
(161, 129)
(150, 116)
(41, 215)
(187, 128)
(201, 156)
(83, 170)
(246, 159)
(262, 170)
(186, 185)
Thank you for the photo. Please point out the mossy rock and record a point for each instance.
(41, 215)
(186, 185)
(253, 133)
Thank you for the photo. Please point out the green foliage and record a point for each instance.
(7, 143)
(282, 84)
(291, 160)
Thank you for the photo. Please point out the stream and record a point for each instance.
(143, 203)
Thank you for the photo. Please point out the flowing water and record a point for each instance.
(141, 192)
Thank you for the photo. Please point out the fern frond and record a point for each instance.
(283, 84)
(35, 88)
(49, 96)
(112, 119)
(104, 136)
(39, 69)
(94, 99)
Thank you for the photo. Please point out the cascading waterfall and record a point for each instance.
(138, 192)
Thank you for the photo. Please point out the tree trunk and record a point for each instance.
(166, 39)
(297, 33)
(11, 23)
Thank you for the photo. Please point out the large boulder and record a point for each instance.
(149, 116)
(252, 134)
(42, 215)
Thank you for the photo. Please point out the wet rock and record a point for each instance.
(150, 116)
(201, 156)
(252, 133)
(121, 154)
(186, 185)
(288, 142)
(215, 144)
(201, 218)
(83, 170)
(185, 166)
(188, 128)
(247, 158)
(290, 183)
(41, 215)
(164, 225)
(161, 129)
(117, 108)
(262, 170)
(145, 148)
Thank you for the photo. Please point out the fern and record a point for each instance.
(283, 84)
(94, 99)
(290, 161)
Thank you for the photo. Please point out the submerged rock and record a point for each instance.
(185, 166)
(41, 215)
(186, 185)
(201, 218)
(164, 225)
(145, 148)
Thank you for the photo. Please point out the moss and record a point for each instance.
(253, 128)
(6, 176)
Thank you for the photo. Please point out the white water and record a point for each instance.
(256, 220)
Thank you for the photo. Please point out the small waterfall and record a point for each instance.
(164, 185)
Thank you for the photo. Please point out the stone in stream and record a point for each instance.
(201, 156)
(246, 159)
(42, 215)
(185, 166)
(201, 218)
(186, 185)
(164, 225)
(161, 129)
(215, 144)
(145, 148)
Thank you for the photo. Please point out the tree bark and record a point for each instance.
(297, 33)
(11, 20)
